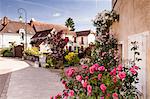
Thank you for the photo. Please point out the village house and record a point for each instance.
(77, 40)
(133, 25)
(14, 31)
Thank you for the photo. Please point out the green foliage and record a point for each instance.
(6, 52)
(72, 58)
(70, 24)
(105, 52)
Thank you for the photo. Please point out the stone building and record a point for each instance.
(133, 25)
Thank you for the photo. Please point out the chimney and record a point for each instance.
(31, 21)
(5, 20)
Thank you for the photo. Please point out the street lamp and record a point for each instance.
(22, 11)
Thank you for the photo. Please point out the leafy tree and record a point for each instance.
(57, 44)
(70, 24)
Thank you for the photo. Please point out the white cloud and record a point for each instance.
(56, 14)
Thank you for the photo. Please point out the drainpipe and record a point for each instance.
(114, 5)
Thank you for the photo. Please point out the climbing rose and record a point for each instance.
(133, 71)
(70, 72)
(119, 68)
(86, 77)
(122, 75)
(79, 78)
(114, 79)
(71, 93)
(135, 67)
(113, 72)
(84, 66)
(115, 95)
(89, 89)
(103, 87)
(101, 68)
(84, 83)
(99, 76)
(95, 66)
(92, 69)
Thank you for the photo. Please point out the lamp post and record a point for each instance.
(22, 11)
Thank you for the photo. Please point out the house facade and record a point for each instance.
(14, 31)
(133, 25)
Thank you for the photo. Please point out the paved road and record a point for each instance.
(3, 79)
(33, 83)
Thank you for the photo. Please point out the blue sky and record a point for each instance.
(56, 11)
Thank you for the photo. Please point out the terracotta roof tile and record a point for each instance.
(13, 27)
(83, 33)
(41, 26)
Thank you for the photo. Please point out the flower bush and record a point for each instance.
(72, 58)
(32, 51)
(96, 82)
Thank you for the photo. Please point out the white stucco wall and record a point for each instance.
(11, 37)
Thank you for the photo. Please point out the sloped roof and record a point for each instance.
(83, 33)
(13, 27)
(41, 34)
(40, 26)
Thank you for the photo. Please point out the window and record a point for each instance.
(82, 48)
(66, 39)
(66, 47)
(70, 48)
(82, 40)
(75, 40)
(74, 48)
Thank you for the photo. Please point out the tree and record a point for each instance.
(70, 24)
(57, 44)
(105, 52)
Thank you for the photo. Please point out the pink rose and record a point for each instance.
(66, 94)
(99, 76)
(71, 93)
(95, 66)
(135, 67)
(86, 77)
(115, 95)
(101, 68)
(79, 78)
(51, 97)
(133, 71)
(113, 72)
(122, 75)
(114, 79)
(103, 87)
(89, 89)
(55, 97)
(63, 81)
(84, 83)
(70, 72)
(102, 97)
(84, 66)
(119, 68)
(92, 69)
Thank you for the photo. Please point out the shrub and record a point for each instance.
(6, 52)
(72, 58)
(96, 82)
(32, 51)
(51, 62)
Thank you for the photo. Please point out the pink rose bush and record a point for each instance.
(97, 82)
